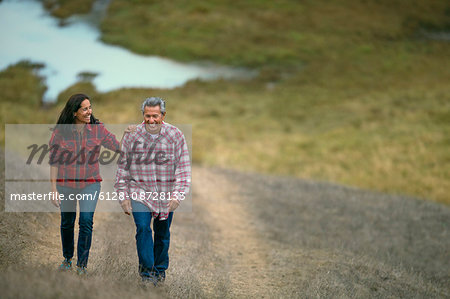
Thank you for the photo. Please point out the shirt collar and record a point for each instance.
(86, 127)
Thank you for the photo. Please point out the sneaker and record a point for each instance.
(81, 270)
(65, 265)
(161, 276)
(150, 280)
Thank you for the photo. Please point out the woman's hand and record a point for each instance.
(55, 198)
(130, 129)
(53, 178)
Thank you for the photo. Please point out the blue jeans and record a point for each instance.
(153, 256)
(85, 220)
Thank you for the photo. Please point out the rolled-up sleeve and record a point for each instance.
(108, 139)
(183, 167)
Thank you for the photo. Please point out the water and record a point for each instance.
(29, 33)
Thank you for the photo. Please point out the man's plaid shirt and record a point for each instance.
(76, 155)
(152, 170)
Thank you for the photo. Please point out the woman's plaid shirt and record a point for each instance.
(77, 154)
(153, 170)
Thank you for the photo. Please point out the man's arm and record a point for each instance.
(182, 172)
(123, 176)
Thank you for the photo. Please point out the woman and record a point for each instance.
(74, 174)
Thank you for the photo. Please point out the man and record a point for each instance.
(153, 177)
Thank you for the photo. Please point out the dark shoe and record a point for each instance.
(161, 277)
(150, 280)
(66, 265)
(81, 270)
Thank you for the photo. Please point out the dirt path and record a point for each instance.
(233, 236)
(232, 261)
(233, 258)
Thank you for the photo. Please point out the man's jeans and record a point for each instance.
(88, 201)
(153, 256)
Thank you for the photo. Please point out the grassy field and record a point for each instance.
(65, 8)
(331, 242)
(261, 33)
(353, 93)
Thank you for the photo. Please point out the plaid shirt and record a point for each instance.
(76, 155)
(152, 170)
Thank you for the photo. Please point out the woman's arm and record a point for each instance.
(54, 146)
(129, 129)
(109, 140)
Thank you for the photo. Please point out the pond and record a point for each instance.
(29, 33)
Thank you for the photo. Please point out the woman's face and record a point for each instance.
(83, 114)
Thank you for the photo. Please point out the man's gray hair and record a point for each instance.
(154, 101)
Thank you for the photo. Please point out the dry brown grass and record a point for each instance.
(248, 236)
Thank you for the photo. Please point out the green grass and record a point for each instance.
(65, 8)
(395, 143)
(21, 84)
(349, 93)
(261, 33)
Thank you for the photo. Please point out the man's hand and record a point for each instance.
(173, 205)
(126, 206)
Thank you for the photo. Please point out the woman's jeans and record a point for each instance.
(153, 256)
(87, 197)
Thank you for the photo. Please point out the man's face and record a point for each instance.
(153, 119)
